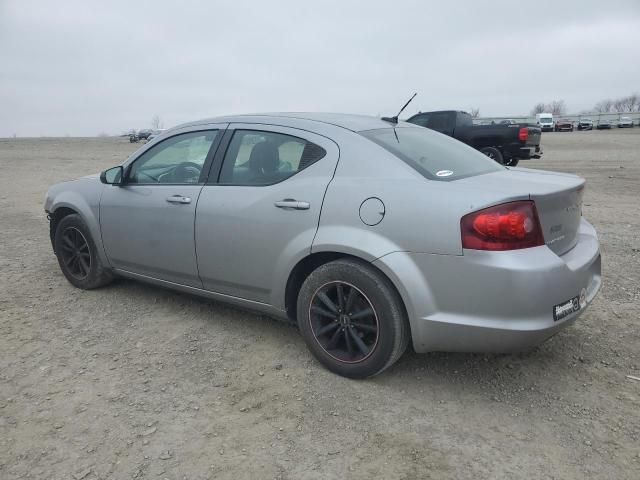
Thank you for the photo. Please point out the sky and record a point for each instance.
(83, 68)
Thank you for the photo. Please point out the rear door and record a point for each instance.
(260, 208)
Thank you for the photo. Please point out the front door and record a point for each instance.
(147, 224)
(264, 209)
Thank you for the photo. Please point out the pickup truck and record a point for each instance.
(506, 144)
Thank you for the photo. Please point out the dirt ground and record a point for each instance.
(133, 381)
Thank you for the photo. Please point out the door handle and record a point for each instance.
(290, 203)
(178, 199)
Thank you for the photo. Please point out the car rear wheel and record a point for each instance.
(77, 254)
(352, 319)
(494, 154)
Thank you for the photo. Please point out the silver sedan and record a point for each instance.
(369, 234)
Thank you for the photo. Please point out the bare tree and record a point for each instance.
(557, 107)
(475, 112)
(620, 105)
(156, 122)
(538, 108)
(604, 106)
(631, 102)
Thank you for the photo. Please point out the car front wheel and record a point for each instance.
(77, 254)
(352, 319)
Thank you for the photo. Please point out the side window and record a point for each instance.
(439, 122)
(178, 159)
(422, 120)
(264, 158)
(463, 120)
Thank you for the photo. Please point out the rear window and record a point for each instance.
(433, 155)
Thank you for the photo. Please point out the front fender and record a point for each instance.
(83, 197)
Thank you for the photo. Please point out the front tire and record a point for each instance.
(352, 319)
(78, 256)
(494, 154)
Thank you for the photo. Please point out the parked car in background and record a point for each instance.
(506, 144)
(144, 134)
(625, 122)
(156, 133)
(369, 234)
(604, 125)
(564, 125)
(585, 124)
(545, 121)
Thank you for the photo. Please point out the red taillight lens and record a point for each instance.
(509, 226)
(523, 134)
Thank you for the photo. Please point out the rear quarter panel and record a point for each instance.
(420, 215)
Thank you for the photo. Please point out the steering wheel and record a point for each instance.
(186, 172)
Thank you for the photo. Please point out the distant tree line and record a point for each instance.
(630, 103)
(557, 107)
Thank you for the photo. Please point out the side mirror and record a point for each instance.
(112, 176)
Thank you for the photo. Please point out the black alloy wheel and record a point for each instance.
(75, 253)
(344, 322)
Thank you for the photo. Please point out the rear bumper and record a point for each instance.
(493, 301)
(524, 153)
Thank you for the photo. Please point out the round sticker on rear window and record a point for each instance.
(444, 173)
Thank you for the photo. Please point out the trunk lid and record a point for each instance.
(558, 199)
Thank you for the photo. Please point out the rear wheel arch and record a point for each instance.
(308, 264)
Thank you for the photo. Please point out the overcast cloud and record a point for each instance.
(86, 67)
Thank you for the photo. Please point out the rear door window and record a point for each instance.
(263, 158)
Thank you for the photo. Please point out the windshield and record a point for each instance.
(434, 155)
(546, 120)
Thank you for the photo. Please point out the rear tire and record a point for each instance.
(512, 162)
(78, 256)
(352, 319)
(494, 154)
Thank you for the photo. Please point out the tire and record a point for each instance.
(370, 291)
(494, 154)
(73, 240)
(512, 162)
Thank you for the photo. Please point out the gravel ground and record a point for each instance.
(133, 381)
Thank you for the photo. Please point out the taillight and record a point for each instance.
(509, 226)
(523, 134)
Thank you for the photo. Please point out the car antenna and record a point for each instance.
(395, 119)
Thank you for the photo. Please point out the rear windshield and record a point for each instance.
(432, 154)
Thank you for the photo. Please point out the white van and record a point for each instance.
(545, 121)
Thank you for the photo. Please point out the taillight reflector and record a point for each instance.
(509, 226)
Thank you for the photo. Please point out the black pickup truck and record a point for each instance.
(505, 143)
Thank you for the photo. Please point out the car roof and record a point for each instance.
(355, 123)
